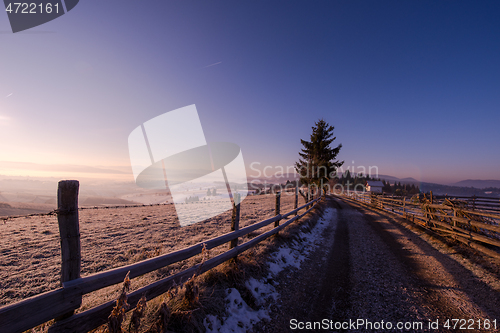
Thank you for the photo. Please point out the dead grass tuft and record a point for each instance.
(191, 294)
(135, 319)
(162, 318)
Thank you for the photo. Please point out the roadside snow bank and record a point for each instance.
(294, 254)
(240, 316)
(261, 291)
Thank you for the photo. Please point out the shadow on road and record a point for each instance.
(462, 279)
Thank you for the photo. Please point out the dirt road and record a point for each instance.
(373, 274)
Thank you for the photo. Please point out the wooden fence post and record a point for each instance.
(277, 208)
(69, 230)
(235, 223)
(404, 206)
(454, 217)
(296, 205)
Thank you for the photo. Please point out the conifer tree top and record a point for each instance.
(317, 162)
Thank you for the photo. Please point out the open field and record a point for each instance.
(24, 208)
(110, 238)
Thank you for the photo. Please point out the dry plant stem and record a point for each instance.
(115, 319)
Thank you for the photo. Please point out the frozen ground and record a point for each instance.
(111, 237)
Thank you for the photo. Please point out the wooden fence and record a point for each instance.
(59, 304)
(471, 220)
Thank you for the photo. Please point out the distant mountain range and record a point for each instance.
(478, 183)
(468, 187)
(43, 190)
(275, 179)
(407, 180)
(463, 188)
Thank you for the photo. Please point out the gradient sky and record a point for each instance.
(412, 87)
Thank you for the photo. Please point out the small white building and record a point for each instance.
(374, 186)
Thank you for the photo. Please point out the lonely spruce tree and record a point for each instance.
(317, 164)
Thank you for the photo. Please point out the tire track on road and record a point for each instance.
(333, 300)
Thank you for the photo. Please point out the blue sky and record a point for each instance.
(412, 87)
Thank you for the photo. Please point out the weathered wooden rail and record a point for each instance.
(471, 220)
(60, 304)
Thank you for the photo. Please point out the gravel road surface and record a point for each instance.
(379, 274)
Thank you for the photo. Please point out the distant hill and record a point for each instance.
(392, 180)
(459, 190)
(23, 208)
(276, 179)
(477, 183)
(409, 180)
(103, 201)
(463, 188)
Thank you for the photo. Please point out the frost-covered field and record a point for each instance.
(113, 237)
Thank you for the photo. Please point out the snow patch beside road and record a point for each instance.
(261, 291)
(240, 316)
(299, 250)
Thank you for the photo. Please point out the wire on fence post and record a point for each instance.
(69, 230)
(235, 223)
(277, 208)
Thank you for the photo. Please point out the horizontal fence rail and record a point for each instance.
(60, 304)
(468, 219)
